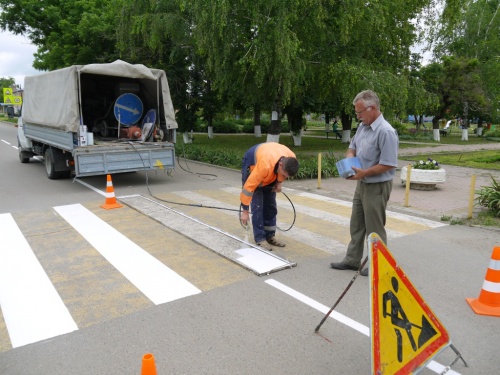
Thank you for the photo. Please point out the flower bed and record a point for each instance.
(424, 175)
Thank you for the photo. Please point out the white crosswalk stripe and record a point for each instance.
(31, 306)
(144, 271)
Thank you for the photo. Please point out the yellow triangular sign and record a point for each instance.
(405, 333)
(7, 91)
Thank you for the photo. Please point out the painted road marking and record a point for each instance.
(314, 239)
(90, 187)
(158, 282)
(395, 215)
(432, 365)
(31, 306)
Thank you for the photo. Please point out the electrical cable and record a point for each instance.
(200, 205)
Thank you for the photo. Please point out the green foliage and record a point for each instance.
(490, 134)
(489, 197)
(223, 158)
(309, 167)
(429, 164)
(399, 126)
(231, 158)
(66, 32)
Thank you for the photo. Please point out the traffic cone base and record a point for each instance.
(148, 365)
(488, 302)
(110, 196)
(482, 309)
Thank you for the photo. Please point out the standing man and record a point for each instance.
(264, 167)
(376, 146)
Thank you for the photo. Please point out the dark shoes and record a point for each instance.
(265, 245)
(273, 241)
(343, 266)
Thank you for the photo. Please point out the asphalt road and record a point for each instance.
(239, 323)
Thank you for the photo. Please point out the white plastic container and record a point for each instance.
(344, 166)
(83, 135)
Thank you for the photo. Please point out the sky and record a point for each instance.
(16, 57)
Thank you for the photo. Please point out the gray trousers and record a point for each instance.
(368, 216)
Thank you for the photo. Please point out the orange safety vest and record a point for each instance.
(267, 155)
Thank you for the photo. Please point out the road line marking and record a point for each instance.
(89, 186)
(395, 215)
(5, 142)
(318, 306)
(158, 282)
(31, 306)
(322, 215)
(432, 365)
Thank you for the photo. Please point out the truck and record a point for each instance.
(98, 119)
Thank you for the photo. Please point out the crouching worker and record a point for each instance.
(264, 167)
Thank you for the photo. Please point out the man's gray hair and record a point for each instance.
(369, 98)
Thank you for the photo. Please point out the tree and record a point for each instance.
(259, 46)
(473, 33)
(420, 101)
(66, 32)
(457, 83)
(160, 34)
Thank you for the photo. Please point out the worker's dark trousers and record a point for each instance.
(264, 211)
(263, 205)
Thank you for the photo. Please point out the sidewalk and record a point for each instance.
(449, 199)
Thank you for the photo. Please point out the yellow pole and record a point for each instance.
(471, 196)
(319, 170)
(407, 191)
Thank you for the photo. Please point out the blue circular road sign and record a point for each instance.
(128, 109)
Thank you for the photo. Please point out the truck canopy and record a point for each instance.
(78, 95)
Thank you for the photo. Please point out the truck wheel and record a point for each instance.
(49, 165)
(22, 155)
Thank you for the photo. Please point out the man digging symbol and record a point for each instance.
(400, 321)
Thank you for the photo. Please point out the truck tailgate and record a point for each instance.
(112, 158)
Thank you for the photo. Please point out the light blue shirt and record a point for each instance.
(377, 143)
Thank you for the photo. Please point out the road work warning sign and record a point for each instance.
(405, 333)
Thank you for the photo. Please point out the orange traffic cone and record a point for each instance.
(488, 302)
(148, 365)
(110, 196)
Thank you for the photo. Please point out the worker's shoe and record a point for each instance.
(343, 266)
(264, 245)
(273, 241)
(364, 272)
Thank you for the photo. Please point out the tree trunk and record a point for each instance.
(275, 127)
(256, 121)
(346, 121)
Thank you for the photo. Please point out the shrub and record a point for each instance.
(400, 127)
(232, 159)
(489, 197)
(492, 134)
(309, 167)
